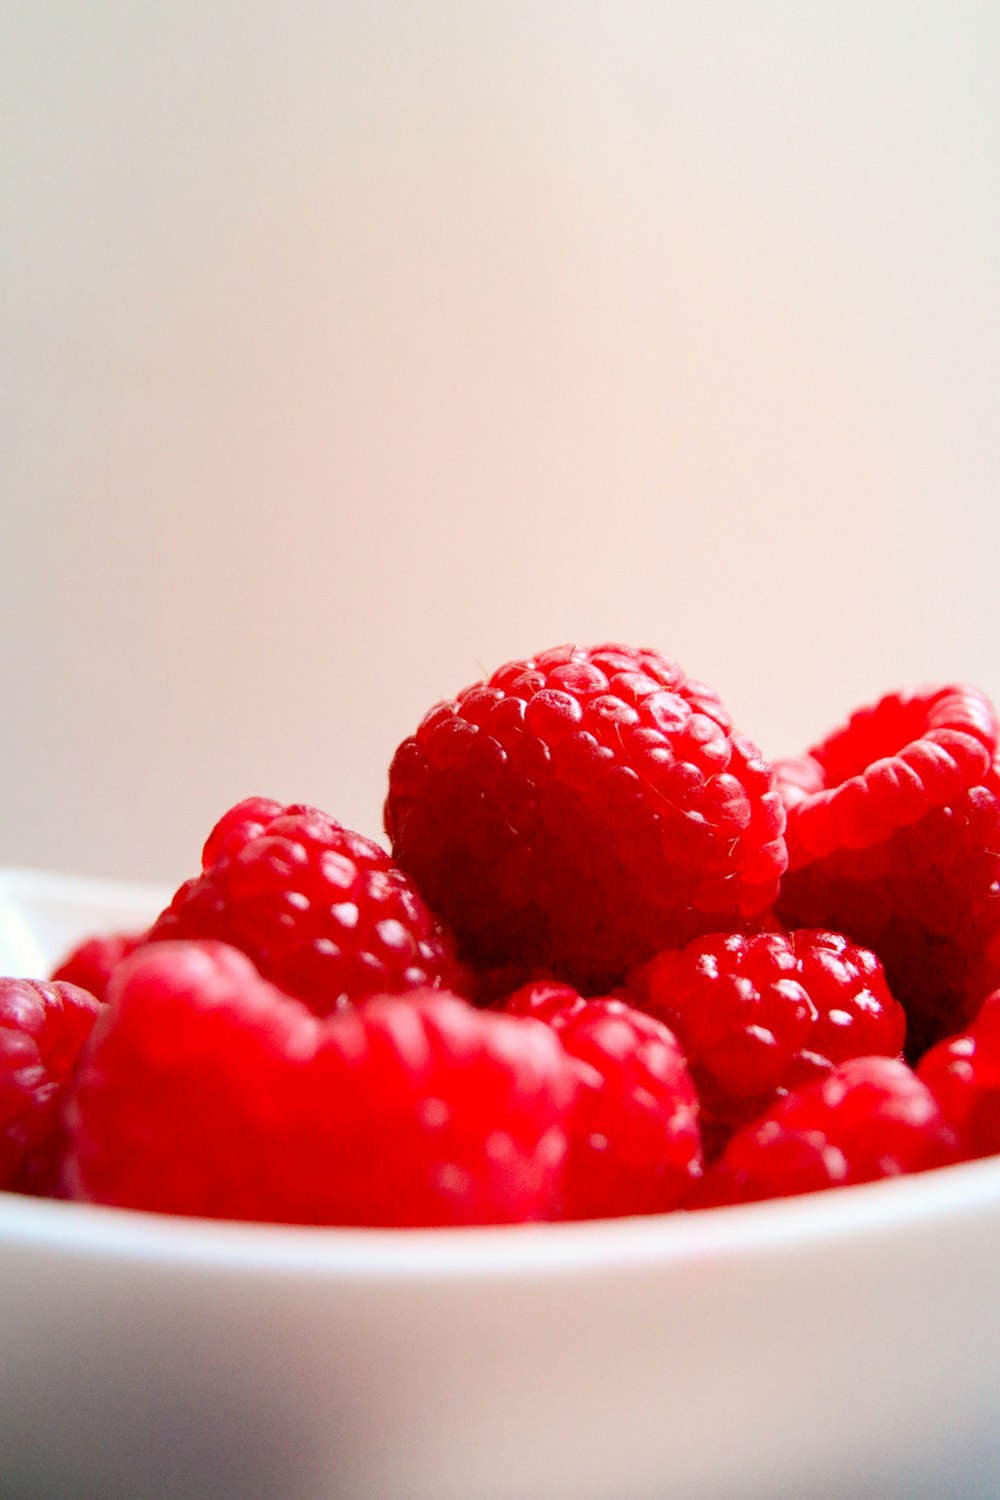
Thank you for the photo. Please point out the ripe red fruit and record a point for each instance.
(634, 1141)
(92, 962)
(42, 1028)
(866, 1119)
(894, 838)
(582, 809)
(761, 1014)
(207, 1091)
(321, 911)
(963, 1073)
(545, 999)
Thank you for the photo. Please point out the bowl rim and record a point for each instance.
(945, 1199)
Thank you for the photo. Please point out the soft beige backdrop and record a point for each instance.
(349, 349)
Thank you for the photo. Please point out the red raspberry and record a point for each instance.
(207, 1091)
(893, 838)
(580, 810)
(963, 1073)
(546, 999)
(868, 1118)
(634, 1141)
(760, 1015)
(91, 963)
(42, 1028)
(323, 912)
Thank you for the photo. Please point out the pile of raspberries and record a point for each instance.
(617, 963)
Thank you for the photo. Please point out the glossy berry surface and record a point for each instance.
(91, 963)
(866, 1119)
(581, 809)
(634, 1135)
(322, 912)
(42, 1028)
(207, 1091)
(963, 1073)
(758, 1015)
(894, 838)
(548, 1000)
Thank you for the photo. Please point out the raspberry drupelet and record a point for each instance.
(761, 1014)
(207, 1091)
(582, 809)
(894, 838)
(634, 1137)
(322, 912)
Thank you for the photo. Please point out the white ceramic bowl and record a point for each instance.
(841, 1345)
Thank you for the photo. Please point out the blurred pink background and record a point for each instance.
(348, 351)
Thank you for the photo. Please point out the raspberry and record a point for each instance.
(545, 999)
(90, 964)
(893, 828)
(634, 1141)
(205, 1090)
(323, 912)
(581, 810)
(963, 1073)
(760, 1015)
(42, 1028)
(866, 1119)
